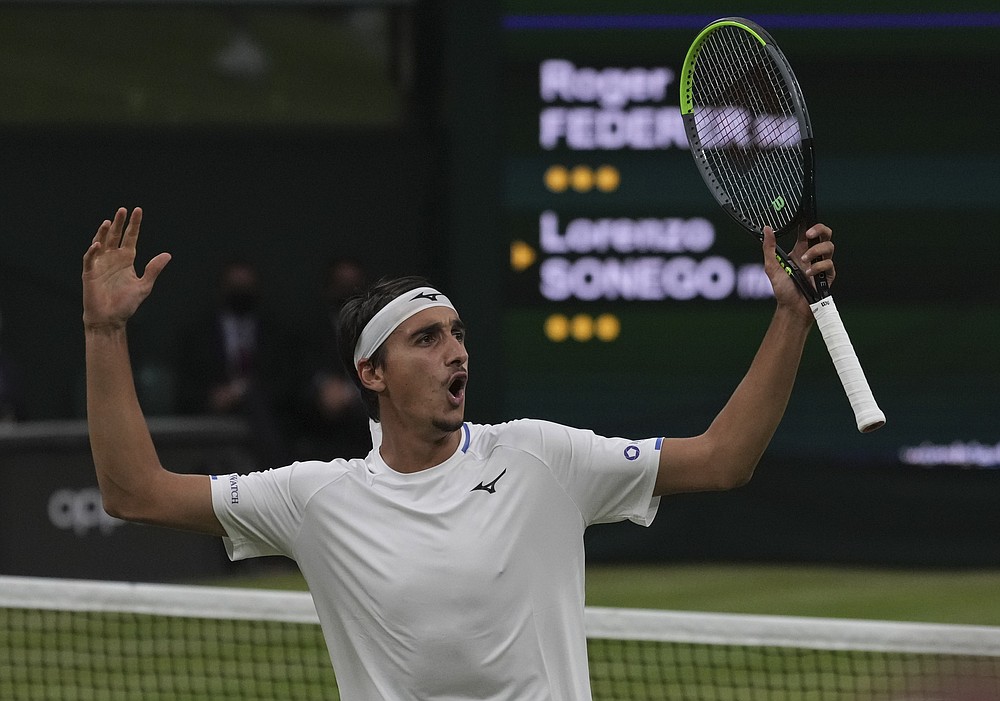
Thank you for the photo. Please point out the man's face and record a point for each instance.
(426, 371)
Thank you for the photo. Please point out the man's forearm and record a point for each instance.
(745, 426)
(119, 438)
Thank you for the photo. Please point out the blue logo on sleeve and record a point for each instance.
(632, 452)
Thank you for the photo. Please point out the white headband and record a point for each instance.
(389, 317)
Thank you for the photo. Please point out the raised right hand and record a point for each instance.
(111, 290)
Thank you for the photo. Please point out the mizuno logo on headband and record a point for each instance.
(389, 317)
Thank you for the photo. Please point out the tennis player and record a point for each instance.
(449, 562)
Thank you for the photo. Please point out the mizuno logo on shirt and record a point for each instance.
(490, 487)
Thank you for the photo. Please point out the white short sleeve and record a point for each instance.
(262, 511)
(610, 479)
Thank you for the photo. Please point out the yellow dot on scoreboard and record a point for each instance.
(557, 328)
(556, 178)
(607, 327)
(522, 256)
(582, 327)
(608, 178)
(581, 178)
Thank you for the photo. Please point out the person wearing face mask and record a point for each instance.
(232, 363)
(332, 419)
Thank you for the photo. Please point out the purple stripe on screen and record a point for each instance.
(914, 20)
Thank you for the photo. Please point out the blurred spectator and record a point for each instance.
(240, 361)
(333, 419)
(11, 386)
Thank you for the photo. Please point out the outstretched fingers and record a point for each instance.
(153, 269)
(114, 235)
(107, 237)
(90, 255)
(132, 230)
(101, 237)
(110, 231)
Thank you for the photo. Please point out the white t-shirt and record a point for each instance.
(463, 581)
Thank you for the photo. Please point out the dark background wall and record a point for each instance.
(289, 202)
(418, 153)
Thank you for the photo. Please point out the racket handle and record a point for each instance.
(866, 411)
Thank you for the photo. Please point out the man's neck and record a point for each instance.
(411, 451)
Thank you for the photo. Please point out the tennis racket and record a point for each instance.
(751, 138)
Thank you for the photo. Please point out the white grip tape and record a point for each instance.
(866, 411)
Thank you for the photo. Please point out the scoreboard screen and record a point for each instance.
(633, 305)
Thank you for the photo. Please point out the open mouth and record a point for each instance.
(456, 390)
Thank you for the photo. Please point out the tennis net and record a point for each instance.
(84, 640)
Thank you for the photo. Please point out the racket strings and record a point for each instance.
(746, 124)
(766, 114)
(758, 107)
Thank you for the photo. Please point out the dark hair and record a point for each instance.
(355, 315)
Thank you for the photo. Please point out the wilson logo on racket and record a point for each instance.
(778, 203)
